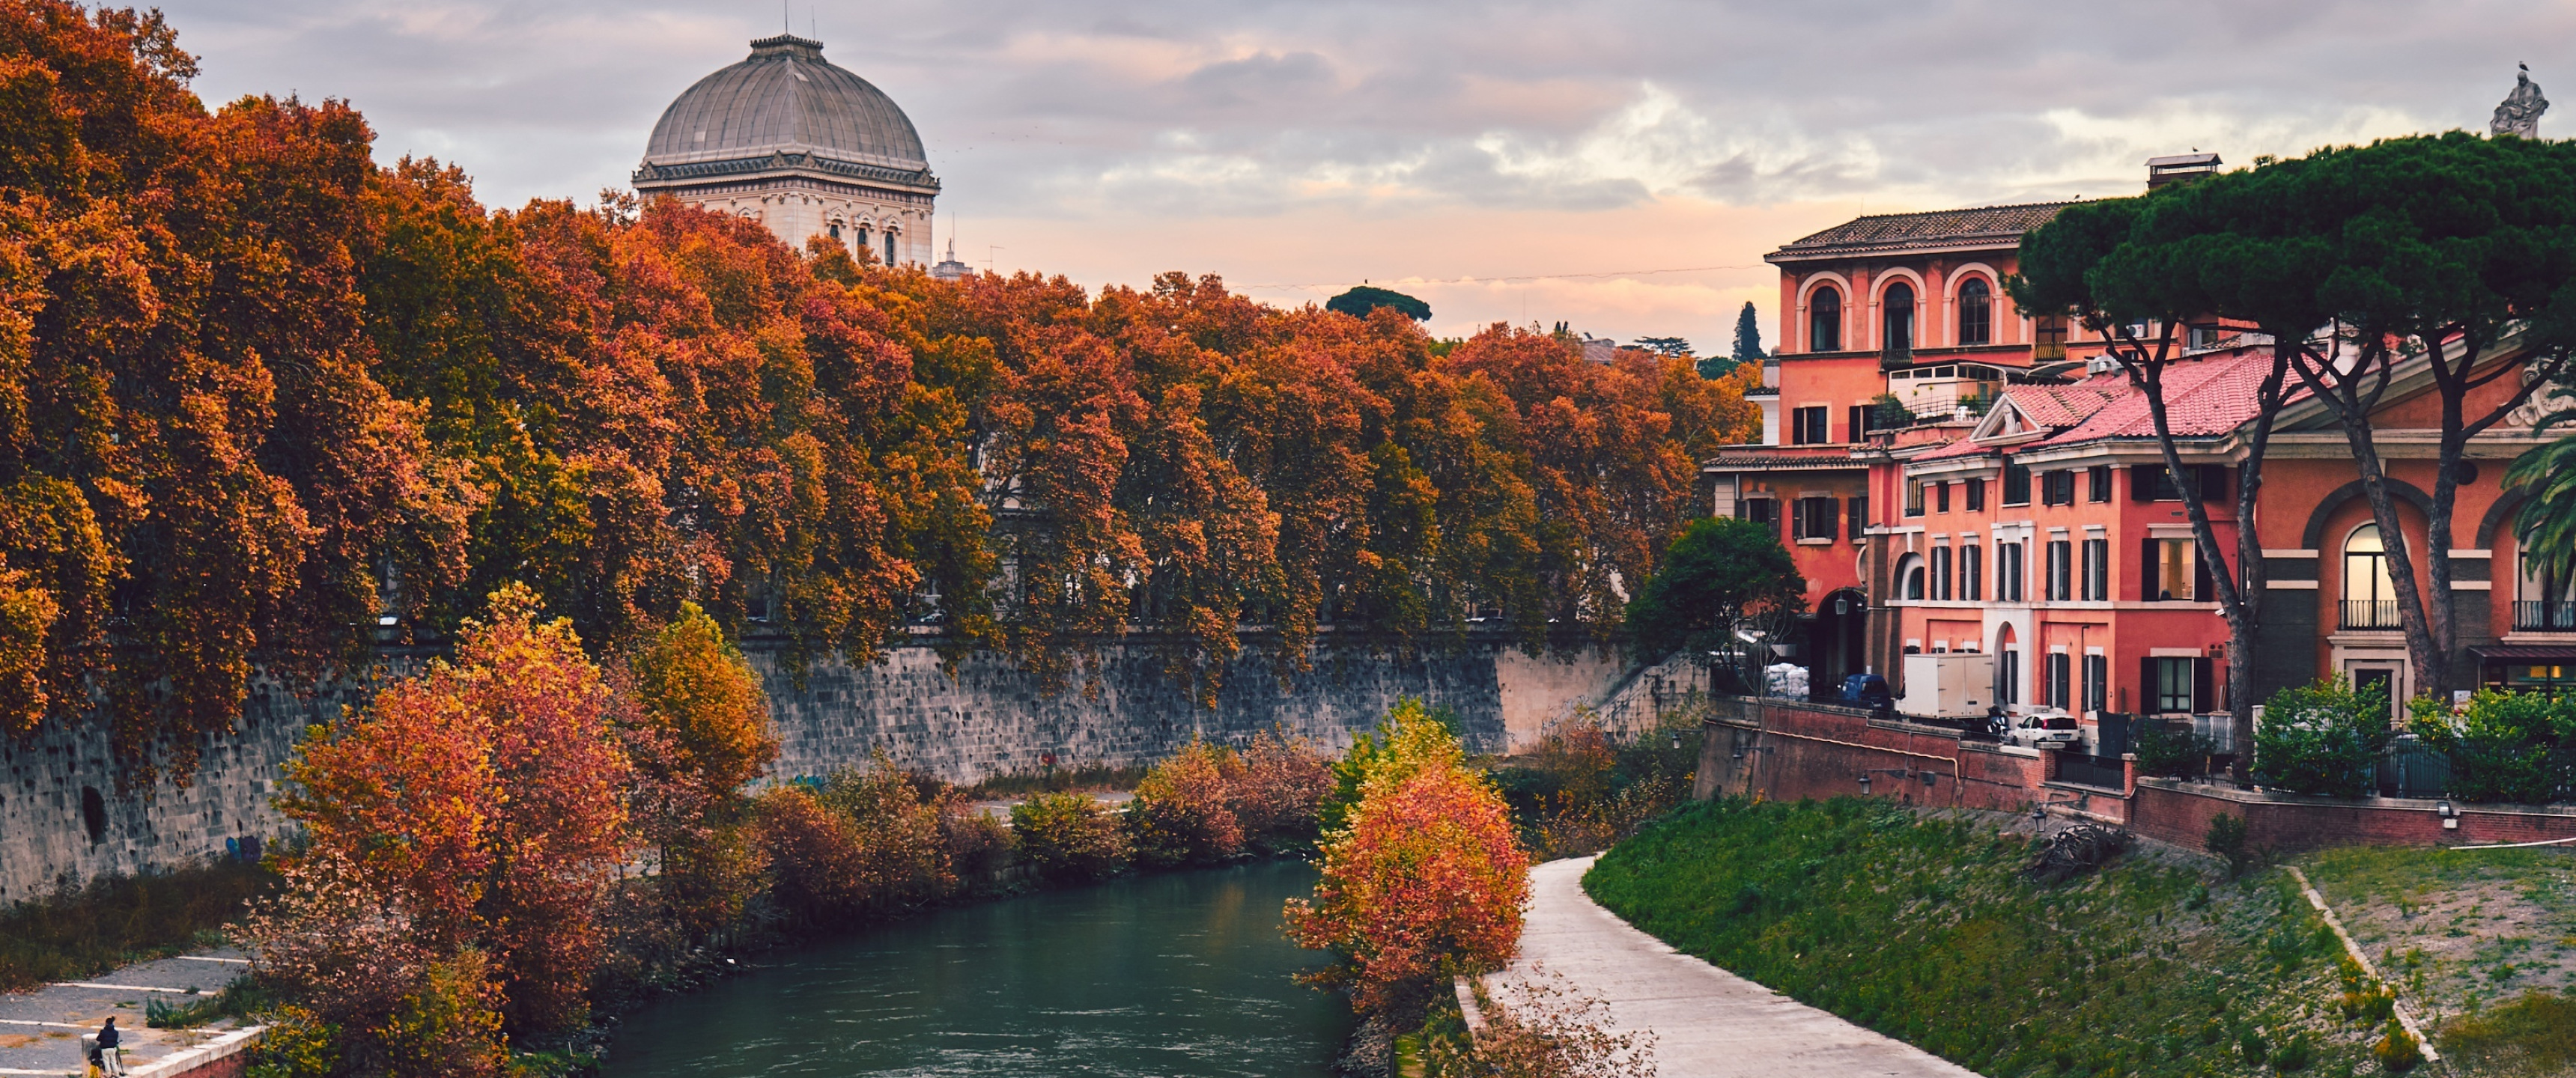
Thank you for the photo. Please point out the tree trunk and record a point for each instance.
(2421, 651)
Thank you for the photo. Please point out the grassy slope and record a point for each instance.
(122, 919)
(1926, 930)
(2483, 943)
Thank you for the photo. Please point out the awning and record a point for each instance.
(2526, 653)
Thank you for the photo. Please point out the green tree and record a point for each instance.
(1748, 340)
(1361, 299)
(2504, 746)
(1721, 576)
(1676, 347)
(2323, 739)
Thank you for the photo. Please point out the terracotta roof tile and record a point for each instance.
(1990, 225)
(2204, 398)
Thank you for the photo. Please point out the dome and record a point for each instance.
(786, 98)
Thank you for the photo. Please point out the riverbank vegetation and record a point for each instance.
(257, 393)
(1929, 929)
(519, 839)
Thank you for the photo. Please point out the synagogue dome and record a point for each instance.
(786, 99)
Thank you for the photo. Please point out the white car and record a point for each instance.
(2044, 732)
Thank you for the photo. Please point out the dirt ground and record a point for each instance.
(2458, 930)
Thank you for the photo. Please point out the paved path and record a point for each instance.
(1706, 1021)
(40, 1030)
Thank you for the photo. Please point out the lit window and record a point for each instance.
(2369, 598)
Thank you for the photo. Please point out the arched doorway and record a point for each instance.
(1838, 641)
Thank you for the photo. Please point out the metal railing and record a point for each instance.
(2101, 772)
(2370, 614)
(2545, 615)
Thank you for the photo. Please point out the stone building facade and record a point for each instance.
(789, 139)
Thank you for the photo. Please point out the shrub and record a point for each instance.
(902, 852)
(1279, 786)
(1184, 810)
(2295, 1054)
(2322, 739)
(978, 846)
(2226, 839)
(2505, 746)
(2163, 751)
(814, 854)
(2396, 1049)
(1069, 838)
(1424, 882)
(297, 1044)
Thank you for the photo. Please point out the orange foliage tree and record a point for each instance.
(482, 801)
(1425, 880)
(698, 731)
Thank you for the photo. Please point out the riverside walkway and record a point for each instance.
(1706, 1022)
(40, 1030)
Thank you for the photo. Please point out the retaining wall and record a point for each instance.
(66, 816)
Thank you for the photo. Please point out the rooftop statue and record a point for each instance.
(2520, 112)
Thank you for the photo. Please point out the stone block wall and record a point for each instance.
(65, 818)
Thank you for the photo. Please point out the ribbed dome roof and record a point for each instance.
(785, 97)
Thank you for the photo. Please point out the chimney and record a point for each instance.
(2180, 167)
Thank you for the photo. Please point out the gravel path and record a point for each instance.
(1705, 1021)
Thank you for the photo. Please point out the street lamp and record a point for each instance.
(2450, 816)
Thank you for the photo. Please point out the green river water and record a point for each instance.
(1173, 974)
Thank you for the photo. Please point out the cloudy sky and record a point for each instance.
(1620, 166)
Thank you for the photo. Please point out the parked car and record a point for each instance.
(2043, 731)
(1868, 691)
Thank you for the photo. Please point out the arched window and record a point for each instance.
(2543, 601)
(1897, 306)
(889, 241)
(863, 239)
(1976, 312)
(836, 230)
(2369, 600)
(1911, 572)
(1825, 320)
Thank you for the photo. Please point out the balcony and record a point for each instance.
(2544, 616)
(2370, 614)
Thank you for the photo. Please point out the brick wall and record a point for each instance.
(1788, 751)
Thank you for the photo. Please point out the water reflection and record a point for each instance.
(1179, 974)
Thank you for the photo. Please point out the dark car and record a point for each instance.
(1869, 691)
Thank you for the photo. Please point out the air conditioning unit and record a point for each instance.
(2101, 364)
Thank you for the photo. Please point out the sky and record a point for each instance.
(1619, 166)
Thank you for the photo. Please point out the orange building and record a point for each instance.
(2015, 503)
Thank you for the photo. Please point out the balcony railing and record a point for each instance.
(2370, 614)
(2545, 615)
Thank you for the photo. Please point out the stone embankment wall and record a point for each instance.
(66, 818)
(1783, 750)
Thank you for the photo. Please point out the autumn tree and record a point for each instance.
(481, 801)
(699, 730)
(1426, 879)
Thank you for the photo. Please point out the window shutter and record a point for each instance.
(2147, 685)
(1798, 519)
(2213, 482)
(2202, 589)
(2146, 570)
(2201, 689)
(2142, 482)
(1859, 515)
(1833, 510)
(1859, 423)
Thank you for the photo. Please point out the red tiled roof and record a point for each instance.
(2204, 398)
(1764, 459)
(1953, 451)
(1991, 226)
(2064, 406)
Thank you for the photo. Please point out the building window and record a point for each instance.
(836, 230)
(1859, 515)
(1814, 518)
(1941, 497)
(1808, 426)
(2369, 599)
(2008, 572)
(1976, 312)
(2060, 572)
(1976, 495)
(2097, 683)
(1972, 572)
(1913, 497)
(889, 244)
(2097, 483)
(2097, 570)
(1941, 573)
(1757, 510)
(2061, 681)
(2542, 602)
(1910, 571)
(1825, 320)
(1897, 333)
(2016, 483)
(2173, 571)
(863, 241)
(2008, 676)
(2173, 684)
(2057, 487)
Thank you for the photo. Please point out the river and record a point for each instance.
(1173, 974)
